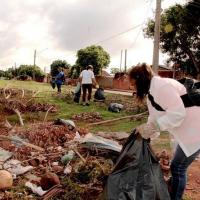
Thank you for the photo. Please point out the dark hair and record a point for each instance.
(142, 74)
(89, 67)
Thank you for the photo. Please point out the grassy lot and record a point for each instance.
(67, 108)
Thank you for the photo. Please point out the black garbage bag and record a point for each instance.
(137, 174)
(115, 107)
(53, 83)
(77, 93)
(99, 94)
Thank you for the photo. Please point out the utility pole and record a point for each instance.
(125, 60)
(34, 63)
(34, 57)
(121, 60)
(156, 37)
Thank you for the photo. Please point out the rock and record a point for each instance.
(35, 162)
(49, 180)
(57, 168)
(6, 180)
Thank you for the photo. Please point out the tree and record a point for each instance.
(74, 71)
(114, 70)
(2, 73)
(30, 70)
(179, 37)
(56, 64)
(93, 55)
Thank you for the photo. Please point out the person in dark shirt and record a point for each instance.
(59, 79)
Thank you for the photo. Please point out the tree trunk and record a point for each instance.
(196, 65)
(185, 46)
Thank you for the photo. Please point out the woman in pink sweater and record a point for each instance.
(183, 123)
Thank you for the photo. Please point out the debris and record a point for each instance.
(3, 137)
(117, 119)
(87, 116)
(57, 169)
(4, 155)
(7, 124)
(19, 116)
(48, 135)
(54, 191)
(49, 180)
(35, 189)
(67, 157)
(113, 135)
(45, 118)
(71, 125)
(6, 180)
(91, 140)
(115, 107)
(68, 169)
(81, 157)
(15, 167)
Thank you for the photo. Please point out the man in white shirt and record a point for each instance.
(87, 79)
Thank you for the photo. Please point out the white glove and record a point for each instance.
(148, 131)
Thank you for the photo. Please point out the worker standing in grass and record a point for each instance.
(60, 79)
(168, 113)
(87, 80)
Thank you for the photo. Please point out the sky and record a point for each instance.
(58, 29)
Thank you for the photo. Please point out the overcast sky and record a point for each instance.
(57, 29)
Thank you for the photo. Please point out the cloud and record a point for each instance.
(66, 26)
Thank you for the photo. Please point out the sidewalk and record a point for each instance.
(128, 93)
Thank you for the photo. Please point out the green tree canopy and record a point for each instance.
(2, 73)
(74, 71)
(29, 70)
(180, 34)
(114, 70)
(93, 55)
(57, 64)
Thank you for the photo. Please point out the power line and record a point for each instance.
(111, 37)
(149, 6)
(118, 34)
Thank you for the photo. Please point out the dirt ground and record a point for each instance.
(192, 191)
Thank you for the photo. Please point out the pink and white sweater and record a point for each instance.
(183, 123)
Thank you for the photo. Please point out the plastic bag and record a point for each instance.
(99, 94)
(137, 174)
(77, 93)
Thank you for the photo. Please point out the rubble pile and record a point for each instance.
(86, 170)
(87, 116)
(23, 101)
(14, 92)
(130, 104)
(11, 104)
(73, 163)
(43, 107)
(48, 134)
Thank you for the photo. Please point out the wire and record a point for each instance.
(111, 37)
(114, 36)
(147, 11)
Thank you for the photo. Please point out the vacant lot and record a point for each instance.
(38, 106)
